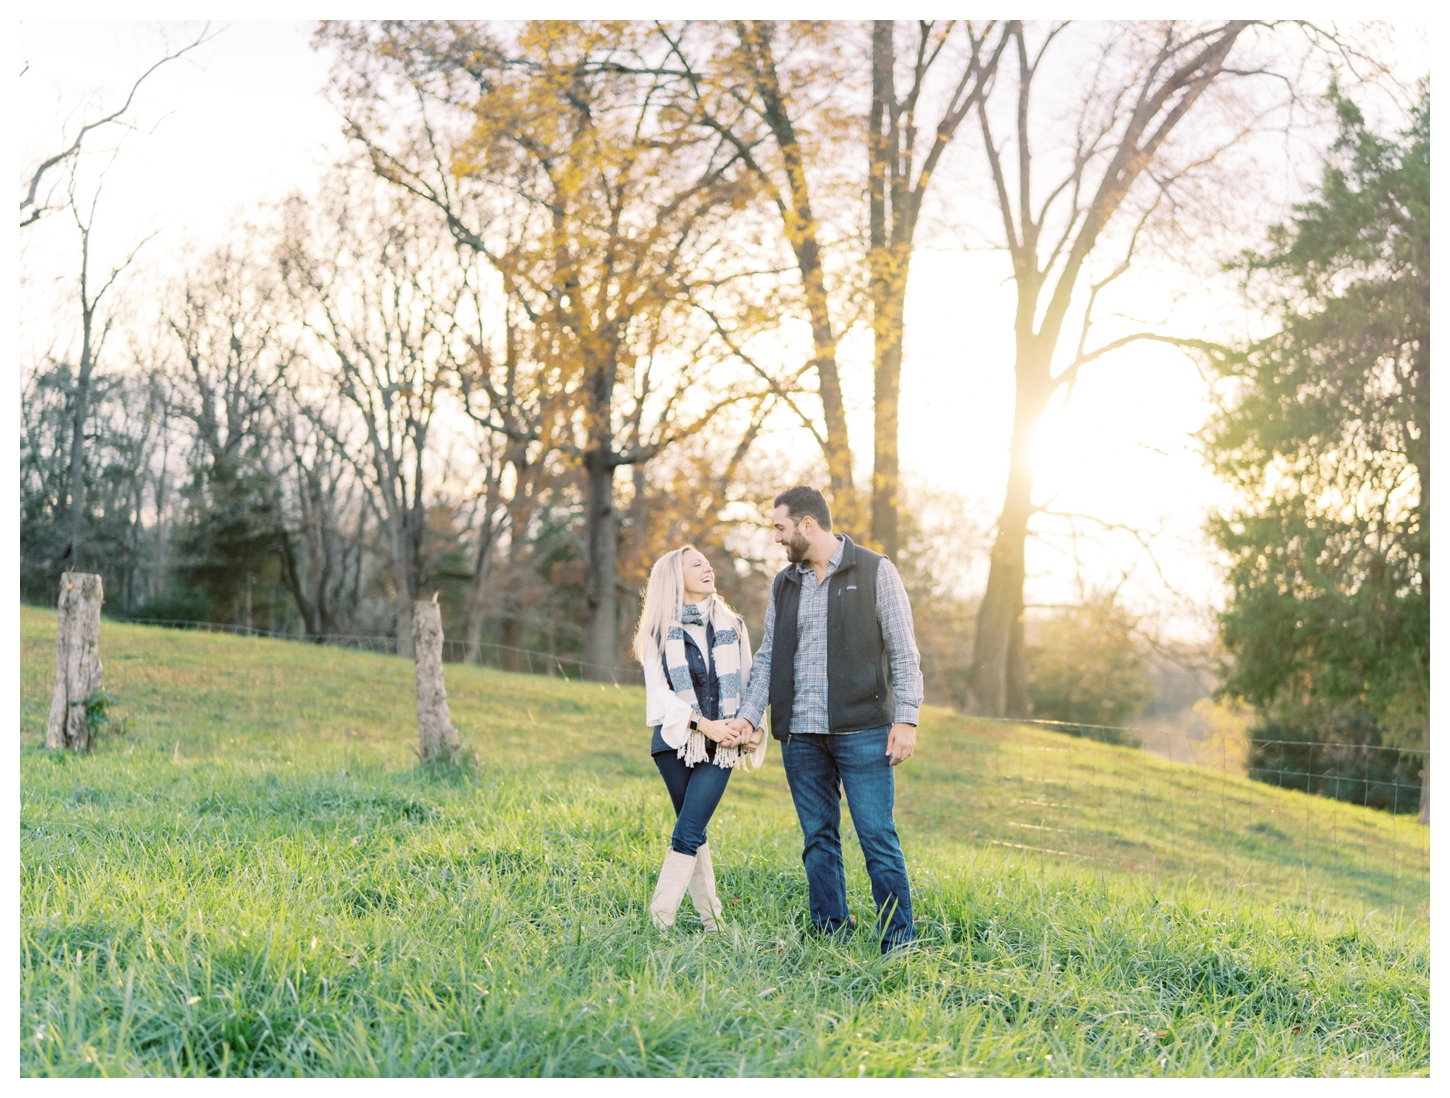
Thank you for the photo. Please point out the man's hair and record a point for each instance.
(801, 501)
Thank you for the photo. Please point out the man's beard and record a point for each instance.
(797, 548)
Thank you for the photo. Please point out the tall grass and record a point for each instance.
(257, 880)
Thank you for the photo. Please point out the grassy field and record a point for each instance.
(255, 879)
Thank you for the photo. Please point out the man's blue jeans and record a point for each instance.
(817, 767)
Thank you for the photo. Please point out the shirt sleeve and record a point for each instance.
(893, 612)
(663, 707)
(757, 757)
(757, 693)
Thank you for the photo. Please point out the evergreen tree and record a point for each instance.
(227, 545)
(1325, 432)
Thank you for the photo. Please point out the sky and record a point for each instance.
(243, 119)
(240, 119)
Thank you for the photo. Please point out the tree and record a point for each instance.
(522, 413)
(119, 474)
(227, 322)
(943, 542)
(92, 290)
(760, 86)
(32, 206)
(45, 426)
(126, 431)
(1324, 430)
(322, 509)
(1085, 667)
(1143, 83)
(897, 180)
(617, 206)
(382, 292)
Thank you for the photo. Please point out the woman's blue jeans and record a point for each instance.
(817, 768)
(695, 791)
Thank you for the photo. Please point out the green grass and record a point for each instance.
(257, 880)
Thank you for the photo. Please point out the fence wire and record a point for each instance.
(1021, 789)
(502, 657)
(1110, 805)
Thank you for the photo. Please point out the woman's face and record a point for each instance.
(699, 576)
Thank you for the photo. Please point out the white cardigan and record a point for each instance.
(663, 707)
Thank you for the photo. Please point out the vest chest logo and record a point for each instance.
(850, 587)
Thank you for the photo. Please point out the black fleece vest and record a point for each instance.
(858, 690)
(702, 673)
(705, 682)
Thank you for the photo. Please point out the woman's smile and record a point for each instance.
(698, 575)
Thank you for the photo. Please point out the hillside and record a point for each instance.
(255, 879)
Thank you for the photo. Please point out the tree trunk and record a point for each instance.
(81, 406)
(476, 605)
(404, 591)
(77, 661)
(473, 631)
(802, 233)
(511, 637)
(601, 636)
(404, 625)
(880, 155)
(437, 738)
(1422, 467)
(998, 673)
(513, 629)
(997, 678)
(1425, 779)
(889, 305)
(894, 202)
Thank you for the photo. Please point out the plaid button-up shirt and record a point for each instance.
(810, 712)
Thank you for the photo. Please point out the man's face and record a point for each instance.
(788, 532)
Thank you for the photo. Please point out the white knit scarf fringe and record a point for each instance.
(725, 653)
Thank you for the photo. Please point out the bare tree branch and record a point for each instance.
(28, 201)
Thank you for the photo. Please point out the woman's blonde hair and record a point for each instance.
(664, 601)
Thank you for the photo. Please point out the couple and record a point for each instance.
(839, 669)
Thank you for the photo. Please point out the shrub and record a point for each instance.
(174, 607)
(1085, 667)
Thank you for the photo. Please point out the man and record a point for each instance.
(839, 667)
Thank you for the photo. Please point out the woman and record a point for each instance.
(696, 658)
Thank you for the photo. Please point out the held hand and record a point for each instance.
(718, 731)
(900, 743)
(741, 731)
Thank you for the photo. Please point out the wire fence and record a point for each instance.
(1372, 775)
(501, 657)
(1113, 805)
(1019, 787)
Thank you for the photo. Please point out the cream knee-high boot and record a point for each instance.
(702, 890)
(670, 888)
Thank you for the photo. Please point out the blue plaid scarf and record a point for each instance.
(725, 655)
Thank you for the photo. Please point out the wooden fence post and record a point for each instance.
(77, 661)
(437, 738)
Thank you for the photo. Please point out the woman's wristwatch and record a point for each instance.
(694, 725)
